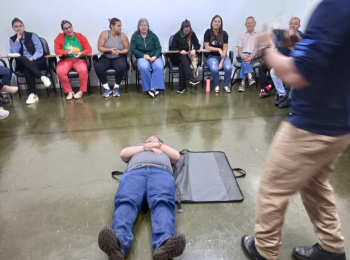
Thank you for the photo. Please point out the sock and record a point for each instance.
(116, 86)
(249, 75)
(243, 82)
(268, 88)
(105, 86)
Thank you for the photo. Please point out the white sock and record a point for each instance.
(105, 86)
(116, 85)
(249, 75)
(243, 82)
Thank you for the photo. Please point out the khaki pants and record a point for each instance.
(299, 161)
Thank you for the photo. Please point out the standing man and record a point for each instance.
(308, 144)
(246, 44)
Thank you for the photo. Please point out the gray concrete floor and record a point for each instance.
(56, 158)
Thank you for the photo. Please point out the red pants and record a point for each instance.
(79, 65)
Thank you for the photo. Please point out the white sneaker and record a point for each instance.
(32, 99)
(227, 89)
(3, 113)
(46, 81)
(217, 89)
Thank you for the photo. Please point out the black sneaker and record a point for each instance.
(285, 103)
(316, 252)
(280, 99)
(181, 91)
(194, 82)
(170, 248)
(151, 92)
(110, 244)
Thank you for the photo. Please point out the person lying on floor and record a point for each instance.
(149, 176)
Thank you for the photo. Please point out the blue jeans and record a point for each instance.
(154, 80)
(5, 75)
(281, 91)
(155, 184)
(213, 63)
(245, 68)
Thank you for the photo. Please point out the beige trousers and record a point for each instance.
(299, 161)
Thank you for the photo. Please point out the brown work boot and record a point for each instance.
(170, 248)
(110, 244)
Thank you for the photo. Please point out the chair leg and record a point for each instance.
(100, 88)
(89, 87)
(19, 88)
(47, 91)
(61, 89)
(53, 82)
(233, 80)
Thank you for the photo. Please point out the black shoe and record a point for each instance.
(170, 248)
(194, 81)
(248, 246)
(285, 103)
(181, 91)
(110, 244)
(280, 99)
(4, 100)
(316, 252)
(151, 92)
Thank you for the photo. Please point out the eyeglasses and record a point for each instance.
(67, 28)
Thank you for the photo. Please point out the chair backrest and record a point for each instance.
(171, 40)
(45, 46)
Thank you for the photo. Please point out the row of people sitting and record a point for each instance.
(144, 45)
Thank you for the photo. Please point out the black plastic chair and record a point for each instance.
(47, 71)
(72, 74)
(5, 65)
(174, 70)
(206, 72)
(111, 72)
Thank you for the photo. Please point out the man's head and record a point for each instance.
(250, 23)
(294, 23)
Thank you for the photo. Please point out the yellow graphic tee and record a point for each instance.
(72, 44)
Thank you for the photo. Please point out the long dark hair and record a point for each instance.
(220, 37)
(184, 25)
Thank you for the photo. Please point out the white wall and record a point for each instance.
(90, 17)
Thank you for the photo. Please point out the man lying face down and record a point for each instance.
(149, 176)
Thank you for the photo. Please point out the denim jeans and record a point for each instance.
(155, 184)
(5, 75)
(278, 83)
(245, 68)
(154, 80)
(213, 63)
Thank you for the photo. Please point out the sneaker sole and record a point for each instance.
(263, 95)
(175, 246)
(108, 242)
(194, 83)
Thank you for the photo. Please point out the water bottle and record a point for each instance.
(208, 85)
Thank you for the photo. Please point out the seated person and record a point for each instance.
(216, 41)
(148, 176)
(32, 58)
(5, 76)
(115, 46)
(5, 89)
(246, 44)
(185, 41)
(283, 100)
(265, 87)
(146, 47)
(73, 47)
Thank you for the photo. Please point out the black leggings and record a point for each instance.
(31, 70)
(118, 64)
(185, 71)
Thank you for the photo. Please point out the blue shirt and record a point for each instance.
(322, 57)
(16, 46)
